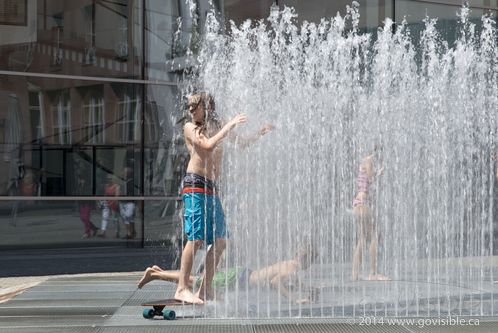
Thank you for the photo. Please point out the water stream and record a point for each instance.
(333, 92)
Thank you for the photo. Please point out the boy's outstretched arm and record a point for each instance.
(246, 141)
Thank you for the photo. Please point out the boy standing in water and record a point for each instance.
(203, 215)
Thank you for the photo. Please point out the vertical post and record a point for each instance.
(45, 15)
(94, 170)
(93, 24)
(381, 12)
(142, 119)
(64, 169)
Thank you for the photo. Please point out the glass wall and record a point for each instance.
(373, 12)
(90, 103)
(62, 130)
(241, 10)
(161, 23)
(415, 11)
(165, 162)
(64, 138)
(87, 37)
(88, 98)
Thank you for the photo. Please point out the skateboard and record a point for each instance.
(158, 308)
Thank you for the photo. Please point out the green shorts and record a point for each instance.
(228, 279)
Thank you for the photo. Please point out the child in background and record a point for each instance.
(109, 207)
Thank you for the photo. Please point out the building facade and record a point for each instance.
(89, 100)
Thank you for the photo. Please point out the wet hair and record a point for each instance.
(211, 120)
(306, 255)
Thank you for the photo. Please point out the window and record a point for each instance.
(128, 120)
(36, 116)
(61, 113)
(94, 119)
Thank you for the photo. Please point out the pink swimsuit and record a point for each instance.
(363, 185)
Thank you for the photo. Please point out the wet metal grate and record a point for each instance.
(69, 329)
(326, 328)
(142, 296)
(58, 311)
(181, 329)
(483, 327)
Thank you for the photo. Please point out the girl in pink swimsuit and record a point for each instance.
(363, 185)
(367, 232)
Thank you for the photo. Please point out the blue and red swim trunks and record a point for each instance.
(203, 216)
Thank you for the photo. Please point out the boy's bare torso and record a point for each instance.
(206, 163)
(280, 269)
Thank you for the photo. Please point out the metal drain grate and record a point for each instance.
(68, 329)
(58, 311)
(142, 296)
(483, 327)
(326, 328)
(172, 328)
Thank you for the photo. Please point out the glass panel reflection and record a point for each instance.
(373, 12)
(68, 136)
(241, 10)
(163, 39)
(91, 38)
(314, 10)
(163, 224)
(165, 154)
(37, 223)
(447, 24)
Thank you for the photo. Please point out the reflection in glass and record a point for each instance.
(241, 10)
(92, 38)
(164, 153)
(60, 112)
(64, 131)
(128, 119)
(447, 20)
(165, 37)
(94, 116)
(12, 144)
(75, 223)
(79, 167)
(36, 115)
(163, 225)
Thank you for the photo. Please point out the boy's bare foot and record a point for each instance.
(378, 277)
(157, 268)
(146, 278)
(187, 296)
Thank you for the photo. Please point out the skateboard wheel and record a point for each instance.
(148, 313)
(169, 315)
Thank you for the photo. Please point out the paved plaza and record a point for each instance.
(111, 302)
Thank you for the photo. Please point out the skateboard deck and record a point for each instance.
(158, 308)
